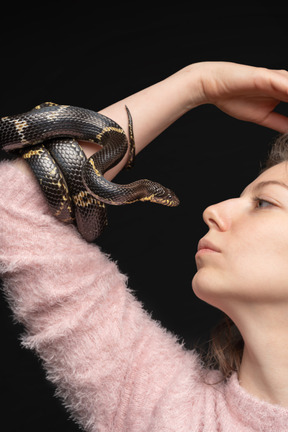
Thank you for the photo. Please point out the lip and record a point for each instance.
(205, 245)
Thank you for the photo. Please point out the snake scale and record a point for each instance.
(74, 186)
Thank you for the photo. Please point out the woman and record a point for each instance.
(115, 368)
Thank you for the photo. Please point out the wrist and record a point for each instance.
(194, 77)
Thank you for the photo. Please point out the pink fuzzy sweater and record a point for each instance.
(114, 367)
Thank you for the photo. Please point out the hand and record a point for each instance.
(246, 92)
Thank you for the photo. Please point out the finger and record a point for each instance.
(275, 84)
(276, 121)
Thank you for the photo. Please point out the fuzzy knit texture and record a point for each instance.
(115, 368)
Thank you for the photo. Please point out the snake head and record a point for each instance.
(161, 195)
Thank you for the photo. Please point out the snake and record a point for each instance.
(75, 187)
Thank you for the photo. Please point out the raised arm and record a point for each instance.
(244, 92)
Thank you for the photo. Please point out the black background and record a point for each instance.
(92, 55)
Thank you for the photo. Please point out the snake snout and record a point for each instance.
(172, 199)
(163, 195)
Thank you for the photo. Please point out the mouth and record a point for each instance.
(205, 245)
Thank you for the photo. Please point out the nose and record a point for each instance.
(220, 216)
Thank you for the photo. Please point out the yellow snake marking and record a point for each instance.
(96, 171)
(115, 202)
(68, 219)
(55, 114)
(148, 198)
(109, 129)
(76, 147)
(63, 203)
(31, 153)
(53, 171)
(47, 104)
(84, 199)
(61, 184)
(20, 125)
(58, 212)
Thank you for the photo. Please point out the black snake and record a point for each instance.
(74, 186)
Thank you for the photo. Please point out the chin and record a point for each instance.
(202, 284)
(206, 288)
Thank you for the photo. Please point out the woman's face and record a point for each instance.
(244, 255)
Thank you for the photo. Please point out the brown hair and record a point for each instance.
(226, 345)
(278, 152)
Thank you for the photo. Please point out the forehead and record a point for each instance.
(278, 172)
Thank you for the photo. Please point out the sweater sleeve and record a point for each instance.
(111, 363)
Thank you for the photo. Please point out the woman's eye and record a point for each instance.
(261, 203)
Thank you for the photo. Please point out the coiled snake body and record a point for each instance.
(74, 186)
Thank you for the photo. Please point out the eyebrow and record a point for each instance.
(260, 185)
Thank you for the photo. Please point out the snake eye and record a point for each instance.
(166, 197)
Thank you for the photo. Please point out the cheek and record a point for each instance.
(261, 257)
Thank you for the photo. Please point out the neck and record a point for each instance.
(264, 366)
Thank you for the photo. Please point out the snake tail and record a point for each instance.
(131, 158)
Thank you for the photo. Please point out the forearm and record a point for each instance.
(153, 110)
(156, 107)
